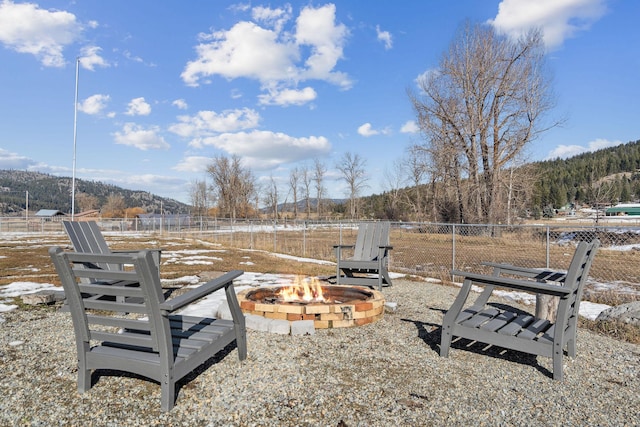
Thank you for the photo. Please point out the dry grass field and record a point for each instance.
(25, 259)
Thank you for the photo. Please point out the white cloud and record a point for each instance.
(246, 50)
(193, 164)
(94, 104)
(138, 107)
(288, 97)
(275, 18)
(558, 19)
(141, 138)
(206, 123)
(317, 28)
(410, 127)
(9, 160)
(262, 150)
(180, 103)
(566, 151)
(384, 37)
(90, 57)
(366, 130)
(272, 55)
(26, 28)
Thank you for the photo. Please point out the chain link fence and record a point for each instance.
(424, 249)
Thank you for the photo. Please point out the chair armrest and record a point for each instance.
(134, 251)
(522, 285)
(223, 281)
(344, 246)
(532, 273)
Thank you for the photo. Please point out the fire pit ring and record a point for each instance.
(346, 306)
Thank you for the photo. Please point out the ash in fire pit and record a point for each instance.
(330, 306)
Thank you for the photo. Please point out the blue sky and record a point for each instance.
(166, 85)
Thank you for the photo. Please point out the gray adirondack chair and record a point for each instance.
(151, 341)
(522, 332)
(368, 265)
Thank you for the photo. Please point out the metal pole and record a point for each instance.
(547, 246)
(75, 134)
(453, 247)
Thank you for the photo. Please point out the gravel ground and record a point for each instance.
(386, 373)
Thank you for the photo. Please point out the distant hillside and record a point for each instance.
(52, 192)
(604, 177)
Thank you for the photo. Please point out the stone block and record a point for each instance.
(42, 297)
(257, 323)
(303, 327)
(391, 307)
(279, 327)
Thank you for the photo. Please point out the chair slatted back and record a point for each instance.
(86, 237)
(576, 279)
(98, 297)
(370, 236)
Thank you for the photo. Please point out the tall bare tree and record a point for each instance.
(395, 178)
(353, 170)
(199, 197)
(294, 179)
(87, 202)
(306, 189)
(233, 184)
(479, 109)
(271, 197)
(319, 170)
(114, 207)
(416, 169)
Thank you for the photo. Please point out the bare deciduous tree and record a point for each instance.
(480, 108)
(352, 168)
(294, 179)
(233, 184)
(271, 197)
(416, 169)
(114, 207)
(319, 170)
(199, 197)
(87, 202)
(394, 181)
(306, 189)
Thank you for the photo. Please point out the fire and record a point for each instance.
(304, 290)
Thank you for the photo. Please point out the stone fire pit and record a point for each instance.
(341, 307)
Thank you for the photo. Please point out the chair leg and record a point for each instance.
(84, 380)
(557, 362)
(445, 341)
(84, 374)
(168, 395)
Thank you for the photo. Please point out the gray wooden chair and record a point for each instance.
(151, 340)
(369, 260)
(522, 332)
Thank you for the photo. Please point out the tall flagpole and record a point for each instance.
(75, 134)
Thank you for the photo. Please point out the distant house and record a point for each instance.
(623, 209)
(49, 214)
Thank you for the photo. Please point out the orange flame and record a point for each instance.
(303, 290)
